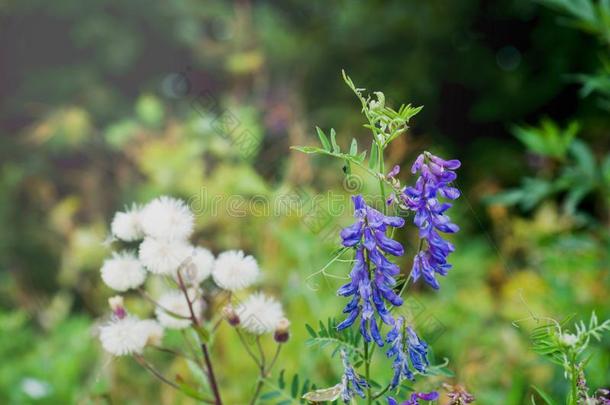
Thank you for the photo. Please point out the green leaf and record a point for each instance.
(324, 394)
(270, 395)
(547, 399)
(294, 389)
(191, 392)
(323, 139)
(362, 156)
(203, 334)
(333, 141)
(311, 331)
(373, 160)
(353, 149)
(584, 158)
(308, 149)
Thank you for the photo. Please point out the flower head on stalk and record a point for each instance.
(433, 183)
(415, 397)
(410, 353)
(351, 383)
(372, 276)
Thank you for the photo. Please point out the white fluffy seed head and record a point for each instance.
(174, 302)
(568, 339)
(260, 314)
(127, 225)
(123, 271)
(167, 218)
(123, 336)
(163, 256)
(199, 267)
(153, 330)
(234, 271)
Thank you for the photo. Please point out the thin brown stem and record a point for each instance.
(152, 301)
(154, 371)
(149, 367)
(172, 351)
(211, 376)
(204, 347)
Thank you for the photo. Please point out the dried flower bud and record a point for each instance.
(117, 306)
(230, 315)
(458, 395)
(282, 333)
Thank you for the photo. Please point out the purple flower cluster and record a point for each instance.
(351, 383)
(412, 357)
(415, 397)
(433, 183)
(372, 276)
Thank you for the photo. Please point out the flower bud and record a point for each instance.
(282, 334)
(230, 315)
(117, 306)
(568, 339)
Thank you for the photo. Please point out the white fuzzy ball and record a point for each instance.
(163, 256)
(127, 225)
(123, 271)
(260, 314)
(234, 271)
(153, 330)
(123, 336)
(174, 302)
(199, 268)
(167, 218)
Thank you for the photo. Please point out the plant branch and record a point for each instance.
(245, 344)
(204, 347)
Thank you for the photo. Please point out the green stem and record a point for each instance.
(404, 286)
(383, 391)
(574, 378)
(367, 372)
(382, 176)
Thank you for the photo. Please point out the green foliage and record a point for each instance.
(39, 368)
(547, 139)
(327, 335)
(283, 392)
(589, 15)
(89, 123)
(566, 348)
(593, 17)
(578, 175)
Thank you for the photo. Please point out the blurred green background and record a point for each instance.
(103, 103)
